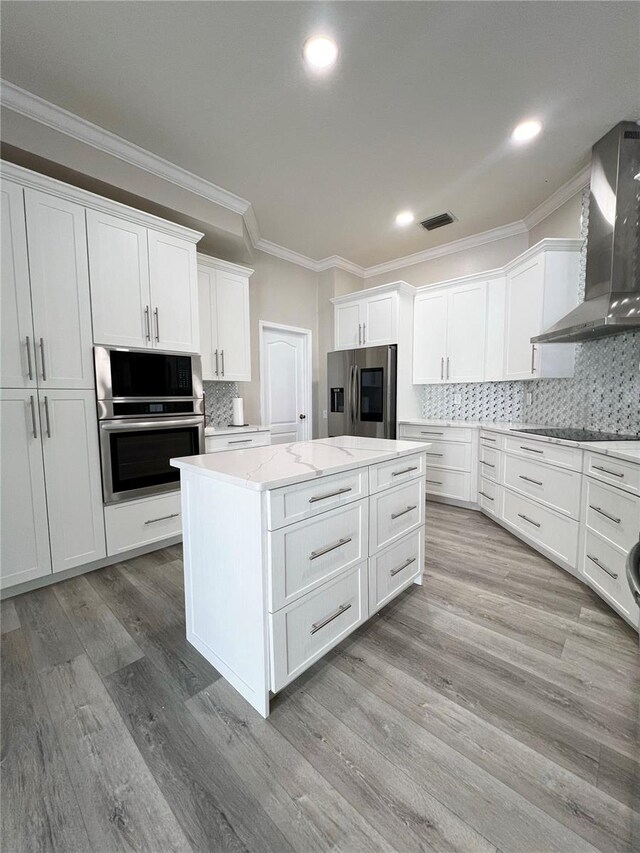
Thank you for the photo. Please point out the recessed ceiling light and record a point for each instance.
(405, 217)
(320, 52)
(526, 130)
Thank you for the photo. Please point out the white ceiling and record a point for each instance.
(416, 115)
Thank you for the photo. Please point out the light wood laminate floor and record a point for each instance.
(494, 709)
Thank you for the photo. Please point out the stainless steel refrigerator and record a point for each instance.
(362, 392)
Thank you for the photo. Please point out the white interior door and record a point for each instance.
(286, 383)
(430, 338)
(24, 544)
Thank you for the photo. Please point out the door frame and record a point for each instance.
(306, 335)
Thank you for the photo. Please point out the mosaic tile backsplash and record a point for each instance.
(603, 394)
(217, 400)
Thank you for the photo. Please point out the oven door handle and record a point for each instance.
(157, 423)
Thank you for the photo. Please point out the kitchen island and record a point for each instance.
(288, 548)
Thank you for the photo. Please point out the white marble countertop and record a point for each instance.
(278, 465)
(626, 450)
(225, 429)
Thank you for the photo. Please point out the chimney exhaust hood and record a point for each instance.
(612, 289)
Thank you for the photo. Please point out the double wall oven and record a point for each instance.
(150, 410)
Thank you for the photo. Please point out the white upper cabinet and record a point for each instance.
(494, 350)
(450, 334)
(144, 286)
(57, 240)
(369, 318)
(541, 287)
(24, 544)
(174, 293)
(16, 330)
(429, 337)
(225, 332)
(119, 267)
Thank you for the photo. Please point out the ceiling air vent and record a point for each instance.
(438, 221)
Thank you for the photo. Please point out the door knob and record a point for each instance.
(302, 417)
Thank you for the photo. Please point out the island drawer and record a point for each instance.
(133, 524)
(556, 533)
(394, 513)
(489, 496)
(395, 568)
(490, 462)
(217, 443)
(435, 432)
(617, 472)
(556, 487)
(545, 451)
(612, 513)
(385, 475)
(304, 631)
(303, 500)
(304, 555)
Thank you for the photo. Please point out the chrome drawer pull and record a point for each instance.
(520, 515)
(607, 571)
(606, 514)
(435, 454)
(222, 360)
(240, 441)
(531, 449)
(44, 371)
(435, 482)
(406, 470)
(329, 495)
(607, 471)
(403, 511)
(426, 432)
(317, 625)
(157, 321)
(46, 416)
(29, 365)
(488, 497)
(529, 480)
(403, 566)
(162, 518)
(33, 418)
(486, 438)
(217, 366)
(488, 464)
(147, 324)
(315, 554)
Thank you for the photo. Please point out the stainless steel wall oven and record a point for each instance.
(150, 409)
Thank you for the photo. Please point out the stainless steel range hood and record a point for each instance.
(612, 289)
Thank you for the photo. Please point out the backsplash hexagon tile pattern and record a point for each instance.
(604, 392)
(217, 400)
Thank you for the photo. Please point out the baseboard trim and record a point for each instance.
(453, 502)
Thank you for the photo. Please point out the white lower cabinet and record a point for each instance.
(603, 566)
(490, 496)
(134, 524)
(554, 487)
(305, 630)
(394, 513)
(24, 545)
(394, 568)
(217, 443)
(451, 459)
(553, 532)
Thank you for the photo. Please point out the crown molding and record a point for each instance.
(370, 292)
(557, 199)
(225, 266)
(493, 234)
(285, 254)
(336, 262)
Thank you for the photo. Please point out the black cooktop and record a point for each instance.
(572, 434)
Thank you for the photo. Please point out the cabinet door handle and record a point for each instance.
(435, 454)
(447, 368)
(157, 322)
(29, 365)
(435, 482)
(531, 450)
(315, 554)
(395, 515)
(404, 471)
(33, 418)
(317, 625)
(403, 566)
(606, 514)
(535, 523)
(486, 438)
(530, 480)
(46, 415)
(162, 518)
(488, 464)
(44, 370)
(217, 370)
(359, 334)
(607, 471)
(425, 432)
(316, 498)
(595, 560)
(485, 495)
(442, 369)
(364, 333)
(533, 358)
(240, 441)
(222, 360)
(147, 323)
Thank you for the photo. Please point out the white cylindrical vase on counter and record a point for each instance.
(238, 411)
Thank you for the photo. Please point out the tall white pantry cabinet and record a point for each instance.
(73, 263)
